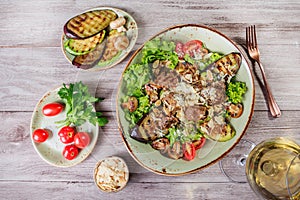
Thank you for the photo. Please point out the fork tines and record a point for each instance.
(251, 41)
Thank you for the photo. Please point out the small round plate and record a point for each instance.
(51, 150)
(131, 33)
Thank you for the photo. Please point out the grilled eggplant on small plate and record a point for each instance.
(99, 38)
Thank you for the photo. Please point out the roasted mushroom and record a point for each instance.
(176, 151)
(188, 72)
(131, 104)
(152, 91)
(235, 110)
(121, 42)
(169, 104)
(161, 144)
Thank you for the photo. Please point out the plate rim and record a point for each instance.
(88, 153)
(238, 139)
(95, 68)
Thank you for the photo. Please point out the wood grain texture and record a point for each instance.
(87, 190)
(32, 63)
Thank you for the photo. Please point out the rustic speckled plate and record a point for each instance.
(212, 151)
(132, 34)
(51, 150)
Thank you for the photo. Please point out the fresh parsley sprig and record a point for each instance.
(79, 106)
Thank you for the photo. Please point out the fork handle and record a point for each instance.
(273, 106)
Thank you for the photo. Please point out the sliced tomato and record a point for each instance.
(199, 143)
(192, 46)
(189, 151)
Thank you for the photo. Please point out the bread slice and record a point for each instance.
(88, 24)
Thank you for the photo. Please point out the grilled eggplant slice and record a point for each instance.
(87, 61)
(145, 130)
(218, 132)
(80, 47)
(228, 64)
(153, 125)
(88, 24)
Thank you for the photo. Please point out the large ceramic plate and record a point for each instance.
(51, 150)
(212, 151)
(131, 32)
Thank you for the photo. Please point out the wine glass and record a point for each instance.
(267, 167)
(293, 178)
(233, 165)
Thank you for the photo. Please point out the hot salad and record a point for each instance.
(178, 94)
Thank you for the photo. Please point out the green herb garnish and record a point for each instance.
(79, 106)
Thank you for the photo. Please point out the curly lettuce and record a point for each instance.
(235, 91)
(135, 77)
(157, 49)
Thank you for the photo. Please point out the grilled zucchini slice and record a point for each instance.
(84, 46)
(88, 24)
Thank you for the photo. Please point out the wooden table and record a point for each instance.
(32, 63)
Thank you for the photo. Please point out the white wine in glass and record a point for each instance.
(293, 178)
(267, 166)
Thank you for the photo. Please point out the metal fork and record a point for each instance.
(254, 54)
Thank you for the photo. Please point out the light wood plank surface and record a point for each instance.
(32, 63)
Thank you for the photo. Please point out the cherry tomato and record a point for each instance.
(52, 109)
(199, 143)
(81, 140)
(192, 46)
(70, 152)
(40, 135)
(189, 151)
(66, 134)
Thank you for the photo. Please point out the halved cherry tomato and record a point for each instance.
(52, 109)
(66, 134)
(199, 143)
(40, 135)
(192, 46)
(70, 152)
(189, 151)
(81, 140)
